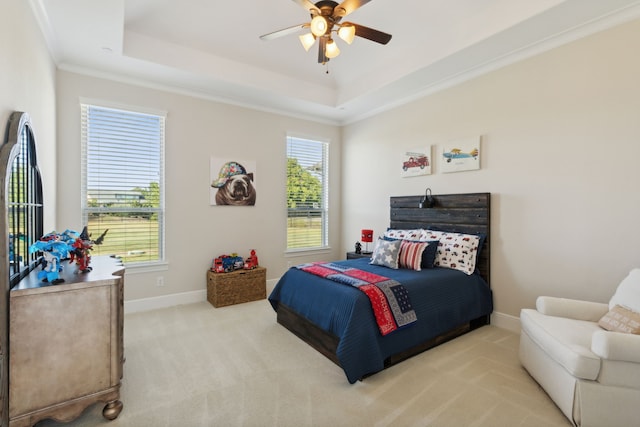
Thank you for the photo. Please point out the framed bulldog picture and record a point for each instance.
(232, 182)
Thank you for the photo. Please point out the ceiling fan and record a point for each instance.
(326, 16)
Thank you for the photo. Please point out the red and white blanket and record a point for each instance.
(389, 298)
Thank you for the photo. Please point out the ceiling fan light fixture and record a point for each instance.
(347, 33)
(326, 17)
(319, 25)
(307, 41)
(331, 49)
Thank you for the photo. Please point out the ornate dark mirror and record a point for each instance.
(21, 196)
(21, 219)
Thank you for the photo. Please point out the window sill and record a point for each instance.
(292, 253)
(149, 267)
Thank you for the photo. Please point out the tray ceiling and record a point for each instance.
(211, 48)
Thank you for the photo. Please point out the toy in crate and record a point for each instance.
(228, 263)
(252, 261)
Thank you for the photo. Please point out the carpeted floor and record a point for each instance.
(195, 365)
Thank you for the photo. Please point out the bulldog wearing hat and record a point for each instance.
(235, 186)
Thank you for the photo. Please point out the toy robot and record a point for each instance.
(81, 247)
(53, 250)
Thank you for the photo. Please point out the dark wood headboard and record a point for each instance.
(461, 213)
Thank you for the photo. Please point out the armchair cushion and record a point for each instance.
(571, 308)
(567, 341)
(616, 346)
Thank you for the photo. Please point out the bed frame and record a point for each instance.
(462, 213)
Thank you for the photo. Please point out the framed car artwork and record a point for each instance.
(416, 162)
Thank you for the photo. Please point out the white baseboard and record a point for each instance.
(146, 304)
(506, 321)
(500, 320)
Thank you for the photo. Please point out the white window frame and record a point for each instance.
(324, 208)
(149, 265)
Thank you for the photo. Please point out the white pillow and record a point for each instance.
(413, 235)
(457, 251)
(628, 292)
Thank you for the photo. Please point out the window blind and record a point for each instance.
(307, 194)
(123, 181)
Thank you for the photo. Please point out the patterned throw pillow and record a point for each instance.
(411, 254)
(455, 250)
(386, 253)
(621, 319)
(429, 253)
(404, 234)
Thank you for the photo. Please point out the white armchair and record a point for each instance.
(592, 374)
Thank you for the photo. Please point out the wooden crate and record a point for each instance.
(236, 287)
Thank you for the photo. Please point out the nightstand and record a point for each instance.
(353, 255)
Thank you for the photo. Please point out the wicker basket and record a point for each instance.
(236, 287)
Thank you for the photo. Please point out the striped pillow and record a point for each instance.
(411, 254)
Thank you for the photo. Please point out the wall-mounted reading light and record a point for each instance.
(427, 201)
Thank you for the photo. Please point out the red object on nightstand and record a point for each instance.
(367, 237)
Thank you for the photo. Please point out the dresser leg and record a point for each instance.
(112, 410)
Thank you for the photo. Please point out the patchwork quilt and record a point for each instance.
(389, 298)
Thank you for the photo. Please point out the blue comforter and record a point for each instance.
(442, 299)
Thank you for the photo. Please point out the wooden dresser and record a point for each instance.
(66, 344)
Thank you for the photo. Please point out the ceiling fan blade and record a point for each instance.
(322, 44)
(308, 5)
(371, 34)
(283, 32)
(348, 6)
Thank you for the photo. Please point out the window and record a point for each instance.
(123, 182)
(307, 194)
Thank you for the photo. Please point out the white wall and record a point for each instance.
(560, 155)
(27, 83)
(196, 129)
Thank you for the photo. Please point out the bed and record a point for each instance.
(338, 321)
